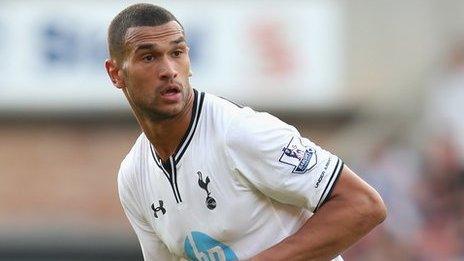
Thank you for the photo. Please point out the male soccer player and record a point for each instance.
(208, 180)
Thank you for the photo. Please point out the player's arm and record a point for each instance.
(351, 211)
(346, 208)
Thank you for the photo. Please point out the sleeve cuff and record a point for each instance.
(331, 184)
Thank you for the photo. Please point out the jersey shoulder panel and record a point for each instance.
(220, 105)
(253, 135)
(278, 161)
(251, 130)
(132, 161)
(223, 112)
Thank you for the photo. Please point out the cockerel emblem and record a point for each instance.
(210, 201)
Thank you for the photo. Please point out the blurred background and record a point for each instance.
(379, 83)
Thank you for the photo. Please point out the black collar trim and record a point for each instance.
(197, 106)
(187, 138)
(170, 172)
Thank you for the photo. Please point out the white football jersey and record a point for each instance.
(240, 182)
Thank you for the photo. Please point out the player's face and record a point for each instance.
(156, 70)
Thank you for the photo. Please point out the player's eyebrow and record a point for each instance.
(152, 46)
(148, 46)
(178, 40)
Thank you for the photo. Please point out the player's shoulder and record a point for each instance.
(241, 119)
(131, 163)
(221, 105)
(223, 111)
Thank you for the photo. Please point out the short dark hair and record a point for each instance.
(132, 16)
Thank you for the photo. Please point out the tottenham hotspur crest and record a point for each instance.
(210, 201)
(302, 157)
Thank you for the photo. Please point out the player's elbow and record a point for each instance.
(370, 209)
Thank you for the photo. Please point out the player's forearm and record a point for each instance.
(337, 225)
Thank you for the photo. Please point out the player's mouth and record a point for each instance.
(171, 93)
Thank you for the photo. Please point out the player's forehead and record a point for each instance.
(160, 34)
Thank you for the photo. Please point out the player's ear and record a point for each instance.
(115, 73)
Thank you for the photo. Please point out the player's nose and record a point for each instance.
(168, 70)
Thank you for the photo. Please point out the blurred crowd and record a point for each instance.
(422, 183)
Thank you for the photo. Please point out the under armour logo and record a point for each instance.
(210, 201)
(159, 208)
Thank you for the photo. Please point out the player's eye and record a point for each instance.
(176, 53)
(148, 58)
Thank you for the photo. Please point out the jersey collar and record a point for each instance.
(198, 99)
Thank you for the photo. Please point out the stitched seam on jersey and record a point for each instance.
(233, 165)
(184, 146)
(236, 104)
(334, 174)
(251, 182)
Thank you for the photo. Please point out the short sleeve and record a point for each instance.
(276, 160)
(152, 246)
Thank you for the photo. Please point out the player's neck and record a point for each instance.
(166, 135)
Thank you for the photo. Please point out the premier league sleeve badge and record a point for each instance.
(301, 157)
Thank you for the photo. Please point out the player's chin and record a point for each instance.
(171, 110)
